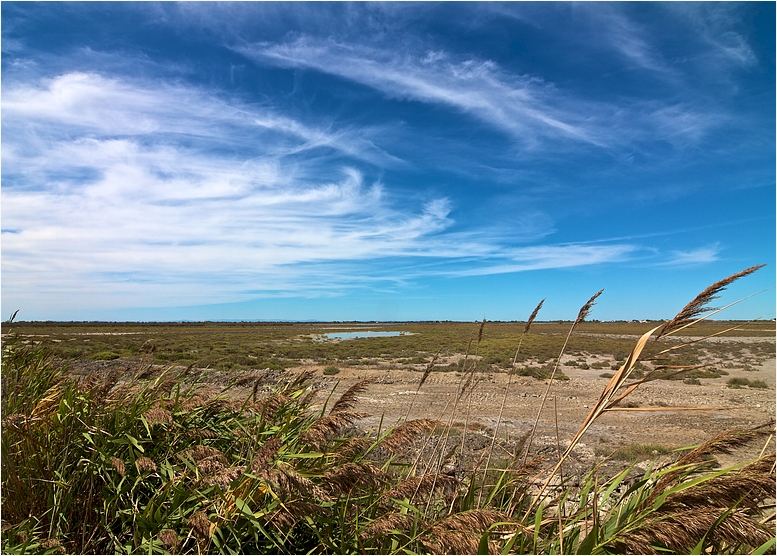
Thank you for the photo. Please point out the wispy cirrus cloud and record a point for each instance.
(532, 111)
(540, 257)
(104, 176)
(521, 105)
(701, 255)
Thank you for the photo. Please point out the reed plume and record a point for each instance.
(426, 374)
(349, 398)
(401, 438)
(699, 305)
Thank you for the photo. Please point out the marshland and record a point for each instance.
(441, 437)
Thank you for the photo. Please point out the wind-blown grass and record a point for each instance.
(158, 462)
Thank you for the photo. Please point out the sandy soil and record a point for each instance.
(393, 392)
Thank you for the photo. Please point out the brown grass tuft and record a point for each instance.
(679, 530)
(158, 416)
(199, 452)
(200, 525)
(264, 454)
(291, 512)
(347, 477)
(201, 433)
(17, 421)
(473, 520)
(428, 370)
(212, 464)
(102, 391)
(726, 442)
(196, 401)
(245, 380)
(585, 310)
(390, 522)
(747, 487)
(169, 540)
(224, 477)
(268, 407)
(415, 488)
(533, 316)
(145, 464)
(327, 426)
(53, 545)
(450, 542)
(351, 448)
(290, 483)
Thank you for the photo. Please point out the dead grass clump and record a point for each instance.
(200, 525)
(400, 439)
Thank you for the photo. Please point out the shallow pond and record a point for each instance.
(359, 334)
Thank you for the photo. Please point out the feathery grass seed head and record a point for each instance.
(118, 465)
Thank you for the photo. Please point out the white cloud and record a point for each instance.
(111, 186)
(553, 256)
(716, 25)
(521, 105)
(533, 112)
(702, 255)
(119, 193)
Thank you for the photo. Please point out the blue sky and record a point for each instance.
(385, 161)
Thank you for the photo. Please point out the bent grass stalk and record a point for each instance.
(608, 397)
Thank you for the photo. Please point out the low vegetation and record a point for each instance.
(742, 382)
(157, 461)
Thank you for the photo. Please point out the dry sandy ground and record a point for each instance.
(393, 393)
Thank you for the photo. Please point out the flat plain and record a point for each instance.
(731, 384)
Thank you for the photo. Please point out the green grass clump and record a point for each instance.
(637, 452)
(330, 370)
(104, 356)
(738, 382)
(541, 373)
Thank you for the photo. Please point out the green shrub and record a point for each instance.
(606, 375)
(639, 452)
(737, 382)
(541, 373)
(331, 370)
(104, 356)
(740, 382)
